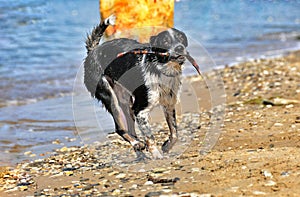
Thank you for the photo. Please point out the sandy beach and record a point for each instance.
(257, 154)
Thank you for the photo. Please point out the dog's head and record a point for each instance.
(174, 41)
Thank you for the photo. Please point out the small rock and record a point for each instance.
(69, 166)
(57, 141)
(112, 173)
(166, 190)
(148, 183)
(68, 173)
(195, 170)
(83, 179)
(28, 153)
(285, 174)
(159, 170)
(88, 187)
(6, 176)
(120, 176)
(116, 192)
(64, 149)
(270, 183)
(23, 188)
(152, 194)
(259, 193)
(289, 106)
(267, 174)
(277, 124)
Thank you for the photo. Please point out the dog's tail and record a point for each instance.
(93, 39)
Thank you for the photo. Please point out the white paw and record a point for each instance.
(155, 153)
(111, 20)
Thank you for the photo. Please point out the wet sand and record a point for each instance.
(257, 154)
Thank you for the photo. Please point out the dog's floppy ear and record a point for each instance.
(153, 40)
(181, 37)
(185, 41)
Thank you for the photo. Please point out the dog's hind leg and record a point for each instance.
(125, 99)
(170, 116)
(105, 93)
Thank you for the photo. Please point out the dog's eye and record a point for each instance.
(180, 37)
(166, 42)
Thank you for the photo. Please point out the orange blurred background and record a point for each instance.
(137, 14)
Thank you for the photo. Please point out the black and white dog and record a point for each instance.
(130, 78)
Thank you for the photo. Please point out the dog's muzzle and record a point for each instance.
(180, 54)
(178, 58)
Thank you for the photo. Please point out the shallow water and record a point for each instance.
(42, 48)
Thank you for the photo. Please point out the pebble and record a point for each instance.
(68, 173)
(152, 194)
(285, 174)
(259, 193)
(195, 170)
(120, 176)
(270, 183)
(267, 174)
(277, 124)
(166, 190)
(116, 192)
(289, 106)
(159, 170)
(27, 153)
(23, 188)
(148, 183)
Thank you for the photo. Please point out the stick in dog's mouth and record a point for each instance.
(163, 54)
(193, 62)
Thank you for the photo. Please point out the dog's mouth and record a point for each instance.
(179, 58)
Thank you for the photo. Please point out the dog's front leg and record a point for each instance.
(142, 119)
(170, 116)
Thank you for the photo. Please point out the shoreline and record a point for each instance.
(257, 152)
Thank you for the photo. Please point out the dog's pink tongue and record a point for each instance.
(194, 63)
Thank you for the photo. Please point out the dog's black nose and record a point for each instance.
(179, 49)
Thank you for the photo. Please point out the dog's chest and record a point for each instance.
(163, 89)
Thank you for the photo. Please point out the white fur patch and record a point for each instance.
(163, 90)
(171, 32)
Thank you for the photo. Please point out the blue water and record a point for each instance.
(42, 47)
(236, 30)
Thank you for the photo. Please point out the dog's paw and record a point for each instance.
(167, 145)
(111, 20)
(138, 146)
(155, 153)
